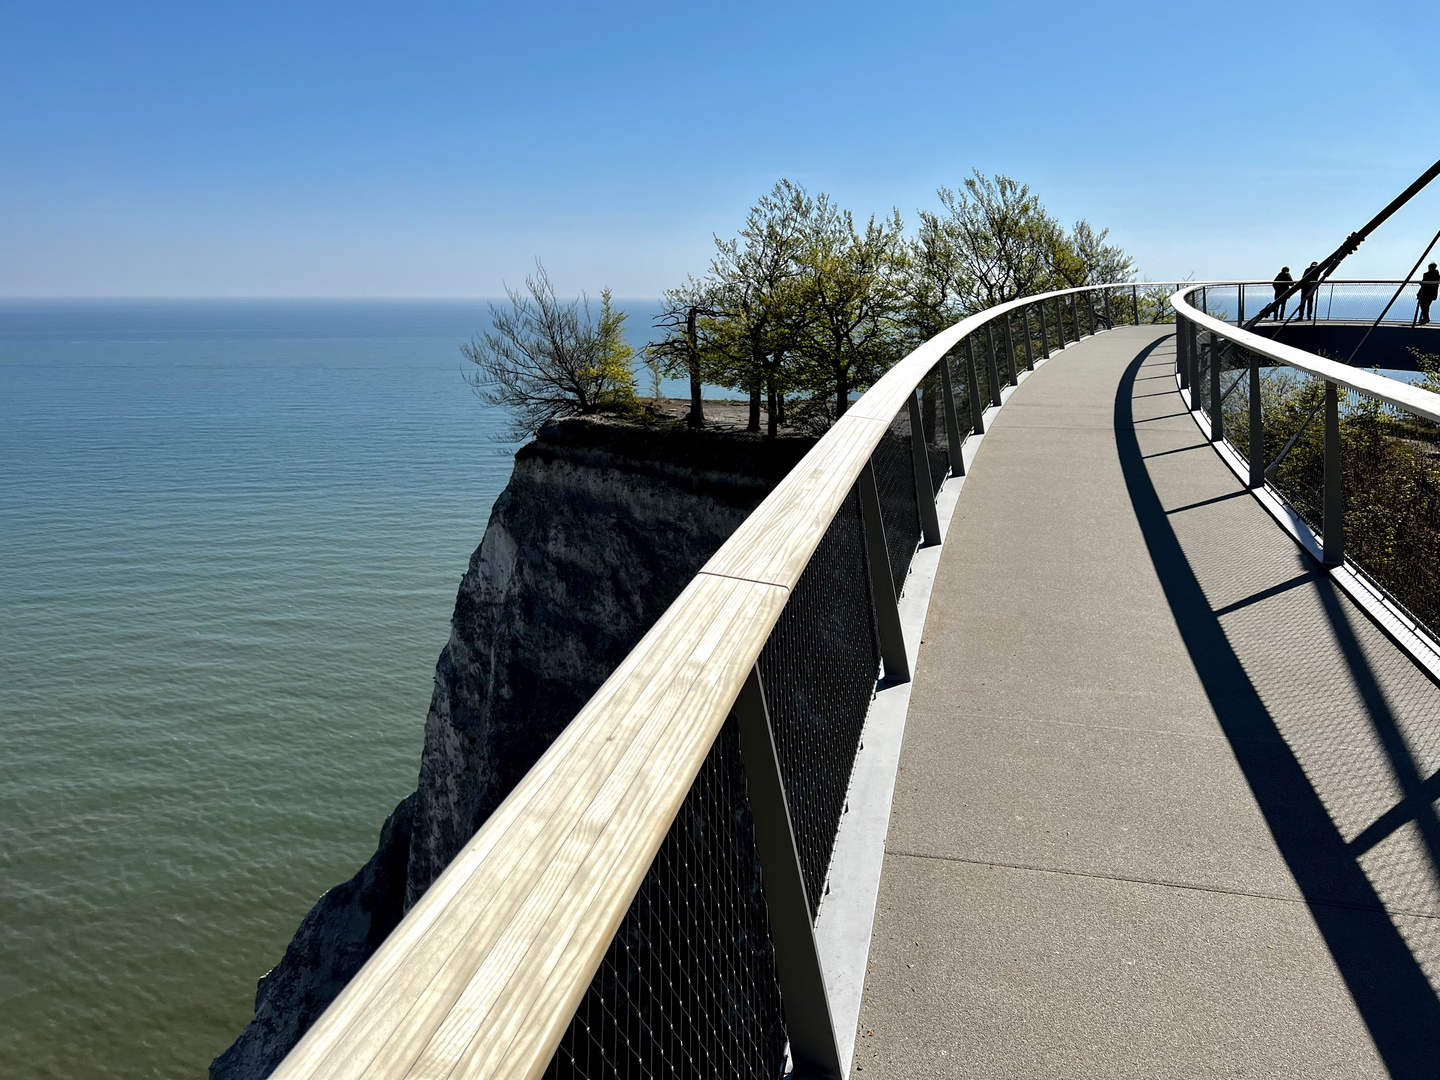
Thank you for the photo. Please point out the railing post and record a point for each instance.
(991, 368)
(1192, 350)
(1333, 535)
(1010, 352)
(1217, 412)
(1044, 332)
(924, 486)
(1109, 316)
(808, 1021)
(882, 582)
(1182, 357)
(952, 419)
(1240, 308)
(1090, 313)
(1257, 426)
(1135, 302)
(977, 408)
(1029, 347)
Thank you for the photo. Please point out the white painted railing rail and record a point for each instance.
(483, 975)
(1392, 391)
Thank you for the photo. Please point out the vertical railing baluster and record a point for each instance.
(1257, 426)
(808, 1020)
(952, 420)
(1192, 350)
(1029, 347)
(1333, 534)
(1135, 302)
(1109, 315)
(882, 583)
(1217, 414)
(1182, 355)
(1044, 332)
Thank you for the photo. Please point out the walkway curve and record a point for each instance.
(1150, 818)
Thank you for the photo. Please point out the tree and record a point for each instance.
(752, 283)
(680, 350)
(544, 357)
(851, 296)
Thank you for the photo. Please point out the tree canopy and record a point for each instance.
(802, 308)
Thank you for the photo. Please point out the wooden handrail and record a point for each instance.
(482, 976)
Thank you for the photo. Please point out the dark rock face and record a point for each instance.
(599, 529)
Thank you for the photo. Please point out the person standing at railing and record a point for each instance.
(1283, 281)
(1309, 285)
(1429, 290)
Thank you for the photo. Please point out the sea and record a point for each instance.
(230, 538)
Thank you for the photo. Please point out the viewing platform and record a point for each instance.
(1069, 710)
(1134, 824)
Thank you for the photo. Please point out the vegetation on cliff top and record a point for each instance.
(803, 307)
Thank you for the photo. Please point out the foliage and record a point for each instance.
(1391, 465)
(544, 357)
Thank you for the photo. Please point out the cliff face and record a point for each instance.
(599, 529)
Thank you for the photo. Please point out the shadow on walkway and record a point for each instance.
(1390, 989)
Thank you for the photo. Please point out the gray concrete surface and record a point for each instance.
(1145, 743)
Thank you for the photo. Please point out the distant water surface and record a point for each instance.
(230, 536)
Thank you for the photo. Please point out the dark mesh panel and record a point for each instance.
(819, 669)
(688, 987)
(937, 437)
(960, 387)
(895, 478)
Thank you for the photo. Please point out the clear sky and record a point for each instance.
(434, 149)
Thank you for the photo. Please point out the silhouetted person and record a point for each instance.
(1429, 289)
(1283, 281)
(1309, 283)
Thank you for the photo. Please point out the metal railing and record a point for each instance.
(1353, 456)
(644, 901)
(1393, 302)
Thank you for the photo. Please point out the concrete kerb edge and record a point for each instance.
(852, 886)
(1392, 621)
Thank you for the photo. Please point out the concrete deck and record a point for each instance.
(1165, 806)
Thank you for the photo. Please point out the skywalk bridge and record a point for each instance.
(1068, 711)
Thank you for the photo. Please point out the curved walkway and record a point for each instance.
(1165, 806)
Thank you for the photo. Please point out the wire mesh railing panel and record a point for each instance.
(687, 987)
(1391, 463)
(1291, 407)
(1200, 389)
(819, 668)
(894, 463)
(960, 388)
(937, 436)
(1235, 396)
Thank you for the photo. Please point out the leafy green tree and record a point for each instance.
(544, 357)
(753, 284)
(851, 300)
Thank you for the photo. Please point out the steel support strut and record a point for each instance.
(1333, 534)
(808, 1021)
(1029, 346)
(882, 581)
(924, 489)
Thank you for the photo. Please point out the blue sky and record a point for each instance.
(434, 149)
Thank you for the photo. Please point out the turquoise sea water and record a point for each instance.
(230, 535)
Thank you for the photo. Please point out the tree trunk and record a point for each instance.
(697, 404)
(842, 391)
(754, 424)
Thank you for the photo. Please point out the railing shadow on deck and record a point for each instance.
(1391, 991)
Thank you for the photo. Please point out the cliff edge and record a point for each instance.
(600, 527)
